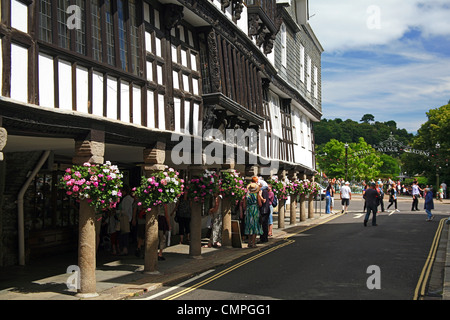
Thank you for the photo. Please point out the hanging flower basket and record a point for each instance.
(99, 185)
(312, 188)
(163, 187)
(200, 189)
(232, 185)
(279, 188)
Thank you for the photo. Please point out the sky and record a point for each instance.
(388, 58)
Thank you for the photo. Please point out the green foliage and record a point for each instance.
(363, 161)
(99, 185)
(350, 131)
(163, 187)
(435, 130)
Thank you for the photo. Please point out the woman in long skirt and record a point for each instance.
(252, 224)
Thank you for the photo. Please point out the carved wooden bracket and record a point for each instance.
(173, 14)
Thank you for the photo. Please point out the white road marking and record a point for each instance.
(178, 286)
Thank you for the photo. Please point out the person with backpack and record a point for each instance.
(183, 216)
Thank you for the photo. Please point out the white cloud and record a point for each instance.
(397, 71)
(346, 24)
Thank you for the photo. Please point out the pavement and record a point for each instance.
(119, 278)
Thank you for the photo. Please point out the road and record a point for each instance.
(341, 259)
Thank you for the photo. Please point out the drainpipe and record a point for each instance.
(20, 216)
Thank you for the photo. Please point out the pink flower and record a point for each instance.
(164, 182)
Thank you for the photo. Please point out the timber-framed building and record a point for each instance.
(127, 80)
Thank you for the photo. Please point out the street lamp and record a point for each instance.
(346, 161)
(437, 167)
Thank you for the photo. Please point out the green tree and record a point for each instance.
(433, 132)
(367, 118)
(363, 161)
(331, 157)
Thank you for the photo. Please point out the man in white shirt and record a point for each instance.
(415, 194)
(346, 196)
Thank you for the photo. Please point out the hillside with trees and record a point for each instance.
(364, 162)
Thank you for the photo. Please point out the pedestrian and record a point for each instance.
(415, 190)
(251, 206)
(182, 212)
(441, 193)
(264, 211)
(216, 223)
(113, 231)
(139, 221)
(329, 194)
(333, 181)
(444, 188)
(381, 192)
(163, 228)
(271, 205)
(242, 217)
(371, 196)
(429, 204)
(125, 212)
(393, 198)
(346, 196)
(364, 191)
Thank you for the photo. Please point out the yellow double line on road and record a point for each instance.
(224, 272)
(240, 264)
(421, 285)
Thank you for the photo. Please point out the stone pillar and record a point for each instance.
(293, 208)
(226, 215)
(87, 251)
(195, 247)
(250, 171)
(92, 150)
(226, 225)
(302, 207)
(311, 202)
(154, 159)
(281, 205)
(302, 203)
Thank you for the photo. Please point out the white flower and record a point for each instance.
(171, 190)
(108, 163)
(114, 193)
